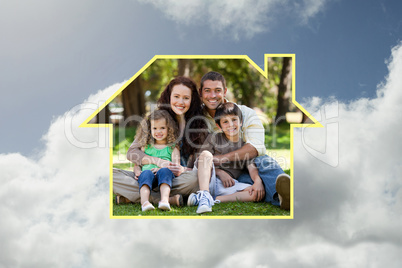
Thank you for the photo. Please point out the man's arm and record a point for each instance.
(254, 136)
(248, 151)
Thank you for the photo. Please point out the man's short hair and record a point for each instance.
(228, 108)
(213, 76)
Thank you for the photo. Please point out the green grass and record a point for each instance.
(224, 209)
(277, 137)
(122, 138)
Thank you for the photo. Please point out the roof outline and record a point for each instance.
(263, 72)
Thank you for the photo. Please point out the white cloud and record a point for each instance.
(55, 210)
(237, 18)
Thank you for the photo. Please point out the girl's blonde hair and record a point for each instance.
(144, 136)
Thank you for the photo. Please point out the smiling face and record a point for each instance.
(213, 93)
(159, 131)
(180, 99)
(230, 125)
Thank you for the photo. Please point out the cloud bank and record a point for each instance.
(55, 209)
(240, 18)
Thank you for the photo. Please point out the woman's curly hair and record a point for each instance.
(196, 127)
(144, 136)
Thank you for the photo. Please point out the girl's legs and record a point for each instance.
(164, 177)
(243, 196)
(144, 194)
(165, 191)
(145, 181)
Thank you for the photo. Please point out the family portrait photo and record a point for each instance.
(203, 137)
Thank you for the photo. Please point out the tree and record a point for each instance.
(133, 100)
(185, 67)
(103, 116)
(284, 89)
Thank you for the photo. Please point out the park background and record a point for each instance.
(60, 60)
(270, 96)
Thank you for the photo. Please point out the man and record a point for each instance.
(274, 183)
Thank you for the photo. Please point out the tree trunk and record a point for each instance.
(103, 117)
(184, 67)
(133, 101)
(284, 90)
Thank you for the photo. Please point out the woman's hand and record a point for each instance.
(177, 169)
(154, 170)
(137, 172)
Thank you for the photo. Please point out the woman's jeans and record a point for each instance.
(147, 177)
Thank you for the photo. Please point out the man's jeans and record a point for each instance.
(268, 169)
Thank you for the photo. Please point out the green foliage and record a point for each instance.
(157, 76)
(122, 138)
(246, 84)
(277, 137)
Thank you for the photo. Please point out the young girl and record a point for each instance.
(157, 135)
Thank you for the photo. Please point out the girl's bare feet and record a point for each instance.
(146, 206)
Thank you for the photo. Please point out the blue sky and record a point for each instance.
(57, 56)
(54, 55)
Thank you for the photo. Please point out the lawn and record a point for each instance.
(223, 209)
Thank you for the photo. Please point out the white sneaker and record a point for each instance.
(205, 202)
(193, 199)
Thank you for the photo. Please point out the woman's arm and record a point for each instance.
(138, 157)
(176, 156)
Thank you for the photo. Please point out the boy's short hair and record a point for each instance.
(213, 76)
(228, 108)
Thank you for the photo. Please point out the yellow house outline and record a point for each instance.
(263, 73)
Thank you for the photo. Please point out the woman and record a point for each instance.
(181, 99)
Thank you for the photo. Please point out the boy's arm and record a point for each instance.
(258, 186)
(247, 151)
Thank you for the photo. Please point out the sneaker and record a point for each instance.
(205, 202)
(282, 186)
(193, 199)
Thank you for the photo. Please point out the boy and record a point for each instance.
(228, 118)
